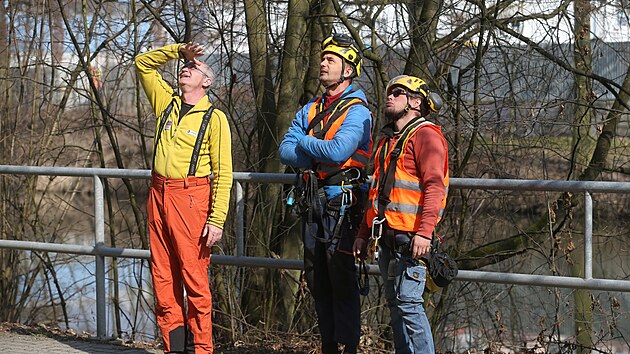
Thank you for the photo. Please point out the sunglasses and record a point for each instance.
(192, 65)
(397, 92)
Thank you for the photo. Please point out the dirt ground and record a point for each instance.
(279, 345)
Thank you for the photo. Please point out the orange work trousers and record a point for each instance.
(177, 212)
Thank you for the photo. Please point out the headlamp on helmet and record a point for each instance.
(416, 86)
(343, 46)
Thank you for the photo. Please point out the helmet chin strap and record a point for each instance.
(409, 108)
(417, 110)
(404, 111)
(395, 117)
(341, 78)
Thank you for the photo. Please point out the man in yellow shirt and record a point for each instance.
(186, 209)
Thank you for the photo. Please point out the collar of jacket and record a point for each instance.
(203, 105)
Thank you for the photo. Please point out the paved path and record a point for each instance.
(14, 343)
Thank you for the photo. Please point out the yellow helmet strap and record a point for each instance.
(341, 77)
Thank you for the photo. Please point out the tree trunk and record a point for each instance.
(583, 309)
(287, 244)
(582, 147)
(273, 121)
(322, 12)
(582, 140)
(423, 20)
(261, 65)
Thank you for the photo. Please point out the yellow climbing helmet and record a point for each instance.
(343, 46)
(416, 86)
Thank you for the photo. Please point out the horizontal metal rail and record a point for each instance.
(255, 177)
(294, 264)
(146, 254)
(99, 250)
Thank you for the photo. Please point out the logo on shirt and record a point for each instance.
(191, 132)
(168, 125)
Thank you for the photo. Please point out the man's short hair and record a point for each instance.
(415, 95)
(207, 70)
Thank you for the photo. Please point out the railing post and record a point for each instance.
(588, 235)
(99, 241)
(240, 223)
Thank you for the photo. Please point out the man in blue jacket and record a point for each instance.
(330, 139)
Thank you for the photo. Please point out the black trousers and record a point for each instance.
(332, 279)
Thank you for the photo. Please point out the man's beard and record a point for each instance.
(393, 116)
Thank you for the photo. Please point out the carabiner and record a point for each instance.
(376, 222)
(377, 232)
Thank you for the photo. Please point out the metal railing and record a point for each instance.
(100, 250)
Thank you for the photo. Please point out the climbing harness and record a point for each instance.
(309, 198)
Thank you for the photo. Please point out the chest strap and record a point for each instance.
(202, 132)
(165, 115)
(335, 111)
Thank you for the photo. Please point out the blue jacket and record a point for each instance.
(299, 149)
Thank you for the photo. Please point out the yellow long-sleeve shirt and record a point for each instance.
(176, 143)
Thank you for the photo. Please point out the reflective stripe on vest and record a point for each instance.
(329, 127)
(404, 212)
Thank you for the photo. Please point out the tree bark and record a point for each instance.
(273, 121)
(423, 20)
(262, 82)
(582, 146)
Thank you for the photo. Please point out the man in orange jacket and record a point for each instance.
(406, 201)
(186, 209)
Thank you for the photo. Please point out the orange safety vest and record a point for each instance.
(326, 130)
(404, 211)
